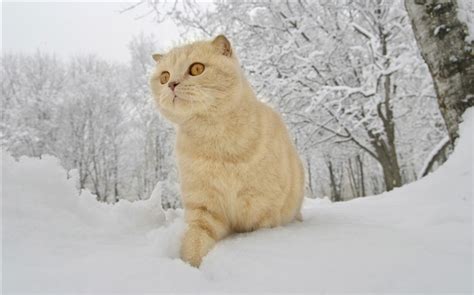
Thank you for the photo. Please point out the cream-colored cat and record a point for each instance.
(239, 170)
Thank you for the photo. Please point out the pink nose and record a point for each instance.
(172, 85)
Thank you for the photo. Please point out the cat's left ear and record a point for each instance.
(223, 45)
(157, 56)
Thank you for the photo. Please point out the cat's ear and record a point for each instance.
(223, 45)
(157, 56)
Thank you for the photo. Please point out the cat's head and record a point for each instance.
(199, 79)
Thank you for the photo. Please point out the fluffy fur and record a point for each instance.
(239, 170)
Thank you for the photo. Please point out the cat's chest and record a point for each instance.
(221, 176)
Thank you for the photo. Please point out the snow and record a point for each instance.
(466, 15)
(417, 238)
(440, 28)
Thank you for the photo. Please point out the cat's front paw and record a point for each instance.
(197, 242)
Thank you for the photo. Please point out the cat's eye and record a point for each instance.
(164, 77)
(196, 69)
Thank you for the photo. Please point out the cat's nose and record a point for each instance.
(173, 84)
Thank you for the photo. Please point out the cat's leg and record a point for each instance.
(205, 228)
(256, 209)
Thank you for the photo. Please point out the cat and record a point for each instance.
(239, 170)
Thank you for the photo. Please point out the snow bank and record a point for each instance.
(48, 228)
(39, 190)
(417, 238)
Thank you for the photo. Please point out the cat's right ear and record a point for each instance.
(223, 45)
(157, 57)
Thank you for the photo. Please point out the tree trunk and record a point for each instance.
(391, 174)
(361, 173)
(441, 39)
(115, 172)
(384, 144)
(353, 184)
(335, 183)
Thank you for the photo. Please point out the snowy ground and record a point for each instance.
(415, 239)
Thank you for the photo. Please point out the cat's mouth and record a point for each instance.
(177, 98)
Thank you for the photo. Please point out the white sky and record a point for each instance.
(70, 28)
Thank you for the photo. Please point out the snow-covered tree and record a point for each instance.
(93, 124)
(30, 91)
(346, 75)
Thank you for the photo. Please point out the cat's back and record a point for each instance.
(274, 129)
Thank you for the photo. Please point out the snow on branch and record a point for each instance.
(363, 31)
(434, 156)
(352, 90)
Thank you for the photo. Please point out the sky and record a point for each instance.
(73, 28)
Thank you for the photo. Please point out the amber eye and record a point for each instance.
(164, 77)
(196, 69)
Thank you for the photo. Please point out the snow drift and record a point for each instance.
(417, 238)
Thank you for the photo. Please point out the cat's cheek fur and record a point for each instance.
(169, 112)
